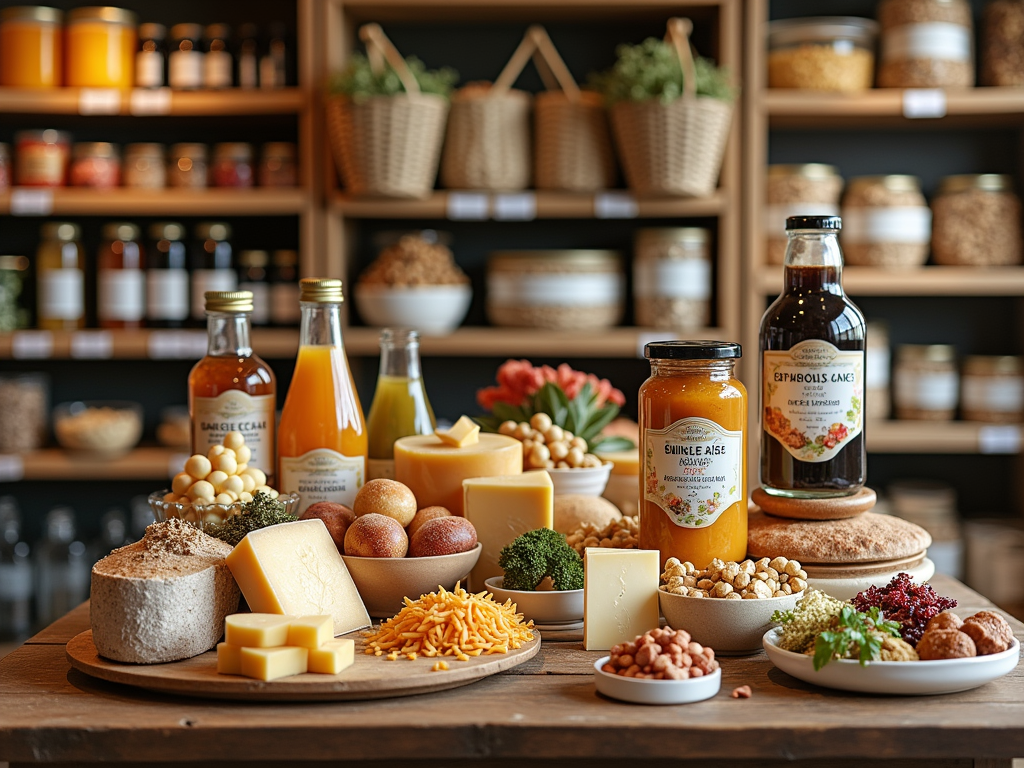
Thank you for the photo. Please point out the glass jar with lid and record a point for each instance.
(825, 53)
(144, 166)
(232, 165)
(185, 57)
(992, 389)
(877, 364)
(886, 222)
(151, 58)
(1002, 57)
(5, 167)
(672, 278)
(100, 44)
(60, 277)
(277, 165)
(186, 166)
(218, 64)
(926, 382)
(31, 47)
(809, 189)
(95, 164)
(926, 44)
(121, 277)
(14, 276)
(41, 158)
(976, 221)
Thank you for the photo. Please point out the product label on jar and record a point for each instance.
(893, 224)
(930, 40)
(380, 468)
(217, 69)
(204, 280)
(235, 411)
(62, 294)
(260, 302)
(41, 165)
(121, 294)
(149, 69)
(322, 475)
(185, 69)
(693, 470)
(993, 393)
(560, 290)
(926, 390)
(672, 279)
(167, 294)
(813, 398)
(284, 304)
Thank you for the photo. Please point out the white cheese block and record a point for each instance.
(620, 595)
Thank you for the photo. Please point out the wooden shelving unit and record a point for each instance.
(144, 102)
(923, 281)
(959, 437)
(67, 201)
(152, 463)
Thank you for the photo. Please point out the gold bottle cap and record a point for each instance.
(228, 301)
(322, 290)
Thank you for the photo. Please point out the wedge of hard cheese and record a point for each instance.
(163, 598)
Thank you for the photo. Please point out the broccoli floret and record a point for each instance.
(536, 554)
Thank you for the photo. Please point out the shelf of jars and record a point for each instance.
(69, 201)
(950, 437)
(146, 463)
(142, 102)
(919, 281)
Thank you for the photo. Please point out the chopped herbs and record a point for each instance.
(856, 635)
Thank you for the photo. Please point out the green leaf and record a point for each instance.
(598, 420)
(611, 444)
(507, 412)
(825, 647)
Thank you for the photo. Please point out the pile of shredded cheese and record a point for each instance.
(454, 623)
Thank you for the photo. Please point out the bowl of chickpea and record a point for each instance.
(565, 456)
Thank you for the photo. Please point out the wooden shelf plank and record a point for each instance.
(519, 10)
(920, 281)
(153, 463)
(143, 202)
(942, 437)
(188, 344)
(68, 101)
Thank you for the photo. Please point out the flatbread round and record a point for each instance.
(815, 509)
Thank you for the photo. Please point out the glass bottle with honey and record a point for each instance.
(813, 342)
(322, 438)
(400, 405)
(60, 277)
(231, 388)
(693, 444)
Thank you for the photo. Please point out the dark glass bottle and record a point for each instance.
(212, 265)
(247, 56)
(167, 303)
(812, 372)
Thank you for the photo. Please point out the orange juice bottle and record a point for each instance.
(321, 441)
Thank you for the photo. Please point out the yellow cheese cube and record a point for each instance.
(256, 630)
(620, 595)
(464, 432)
(310, 631)
(272, 663)
(229, 659)
(332, 657)
(295, 569)
(502, 508)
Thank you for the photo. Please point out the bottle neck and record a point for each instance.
(228, 334)
(814, 261)
(714, 370)
(321, 324)
(400, 354)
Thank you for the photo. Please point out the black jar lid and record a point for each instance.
(814, 222)
(692, 350)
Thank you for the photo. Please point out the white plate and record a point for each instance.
(544, 606)
(902, 678)
(655, 691)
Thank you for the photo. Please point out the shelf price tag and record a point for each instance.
(31, 202)
(92, 345)
(12, 469)
(999, 439)
(924, 103)
(150, 101)
(521, 206)
(99, 101)
(615, 205)
(32, 345)
(468, 206)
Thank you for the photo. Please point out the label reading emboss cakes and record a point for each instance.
(813, 397)
(322, 475)
(236, 411)
(692, 470)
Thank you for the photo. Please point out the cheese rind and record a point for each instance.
(229, 659)
(271, 663)
(620, 595)
(295, 569)
(310, 631)
(256, 630)
(332, 657)
(462, 433)
(501, 509)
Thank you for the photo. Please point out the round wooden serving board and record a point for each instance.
(835, 508)
(370, 677)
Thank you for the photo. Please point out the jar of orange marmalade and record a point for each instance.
(693, 441)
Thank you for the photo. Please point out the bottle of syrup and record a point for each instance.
(812, 372)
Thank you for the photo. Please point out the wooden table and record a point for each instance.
(545, 710)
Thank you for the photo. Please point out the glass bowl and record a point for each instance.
(207, 514)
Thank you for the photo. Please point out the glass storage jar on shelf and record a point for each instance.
(1002, 56)
(877, 364)
(277, 165)
(185, 57)
(809, 189)
(145, 166)
(121, 279)
(167, 278)
(95, 164)
(976, 221)
(672, 278)
(926, 44)
(187, 166)
(218, 65)
(60, 277)
(31, 47)
(886, 222)
(992, 389)
(41, 158)
(5, 167)
(99, 45)
(23, 411)
(14, 277)
(151, 58)
(232, 165)
(827, 53)
(926, 384)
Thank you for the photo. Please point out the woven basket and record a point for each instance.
(677, 148)
(387, 146)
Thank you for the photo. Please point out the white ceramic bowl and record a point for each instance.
(384, 582)
(588, 481)
(847, 589)
(429, 309)
(731, 627)
(201, 516)
(656, 691)
(101, 428)
(543, 607)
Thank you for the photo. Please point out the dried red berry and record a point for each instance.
(912, 605)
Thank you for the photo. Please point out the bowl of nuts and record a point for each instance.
(101, 428)
(730, 605)
(564, 455)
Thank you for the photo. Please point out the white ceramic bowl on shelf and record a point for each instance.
(541, 606)
(429, 309)
(731, 627)
(100, 428)
(656, 691)
(587, 481)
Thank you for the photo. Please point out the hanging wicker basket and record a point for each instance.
(676, 148)
(387, 146)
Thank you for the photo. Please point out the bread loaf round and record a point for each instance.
(376, 535)
(572, 510)
(386, 497)
(443, 536)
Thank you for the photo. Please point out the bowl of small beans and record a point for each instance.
(730, 605)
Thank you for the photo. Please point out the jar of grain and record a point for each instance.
(1002, 55)
(563, 290)
(926, 381)
(878, 358)
(811, 189)
(992, 389)
(976, 221)
(144, 166)
(926, 44)
(23, 411)
(886, 222)
(825, 53)
(672, 278)
(95, 164)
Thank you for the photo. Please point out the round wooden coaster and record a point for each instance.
(836, 508)
(857, 570)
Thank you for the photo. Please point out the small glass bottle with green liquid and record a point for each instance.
(400, 405)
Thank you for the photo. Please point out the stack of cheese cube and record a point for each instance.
(222, 477)
(266, 646)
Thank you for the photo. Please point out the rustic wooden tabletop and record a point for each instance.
(546, 711)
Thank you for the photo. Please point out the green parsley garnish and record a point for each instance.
(858, 635)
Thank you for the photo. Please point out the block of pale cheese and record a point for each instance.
(434, 470)
(271, 663)
(257, 630)
(295, 569)
(229, 659)
(501, 509)
(462, 433)
(310, 631)
(163, 598)
(620, 595)
(332, 657)
(623, 488)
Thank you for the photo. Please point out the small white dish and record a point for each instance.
(544, 606)
(429, 309)
(900, 678)
(655, 691)
(847, 589)
(586, 481)
(731, 627)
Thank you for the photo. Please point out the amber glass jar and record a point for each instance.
(100, 47)
(693, 441)
(30, 47)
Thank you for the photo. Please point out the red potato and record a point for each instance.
(376, 535)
